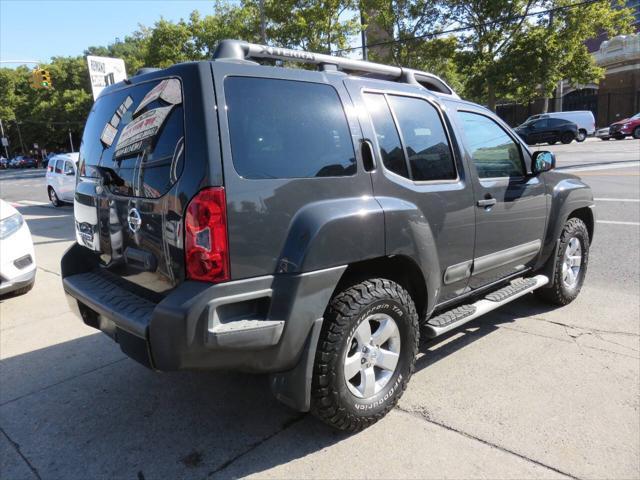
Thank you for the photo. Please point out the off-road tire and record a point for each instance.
(331, 400)
(636, 133)
(53, 197)
(582, 136)
(566, 138)
(559, 293)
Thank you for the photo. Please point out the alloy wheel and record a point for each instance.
(372, 356)
(571, 262)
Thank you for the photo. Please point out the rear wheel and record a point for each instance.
(567, 138)
(53, 197)
(572, 259)
(582, 136)
(366, 354)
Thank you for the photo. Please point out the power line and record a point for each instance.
(469, 27)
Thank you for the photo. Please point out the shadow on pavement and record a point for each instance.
(49, 222)
(90, 413)
(122, 420)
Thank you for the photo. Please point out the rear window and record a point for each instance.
(134, 139)
(287, 129)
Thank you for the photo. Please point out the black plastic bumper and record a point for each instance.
(258, 325)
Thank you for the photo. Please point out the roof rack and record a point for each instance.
(240, 50)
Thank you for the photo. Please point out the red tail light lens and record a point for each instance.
(206, 245)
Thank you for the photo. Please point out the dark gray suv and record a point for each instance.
(306, 224)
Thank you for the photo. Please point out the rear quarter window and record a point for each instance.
(134, 137)
(287, 129)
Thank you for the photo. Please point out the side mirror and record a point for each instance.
(542, 161)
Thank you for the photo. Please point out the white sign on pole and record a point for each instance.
(5, 142)
(104, 71)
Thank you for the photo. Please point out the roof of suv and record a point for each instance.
(243, 52)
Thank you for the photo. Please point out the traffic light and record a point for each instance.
(45, 79)
(40, 78)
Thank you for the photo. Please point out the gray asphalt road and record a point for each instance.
(525, 392)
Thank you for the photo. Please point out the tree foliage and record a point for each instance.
(508, 51)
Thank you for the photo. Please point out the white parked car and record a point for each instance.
(584, 119)
(18, 260)
(61, 178)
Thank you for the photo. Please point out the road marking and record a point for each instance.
(613, 222)
(636, 200)
(607, 166)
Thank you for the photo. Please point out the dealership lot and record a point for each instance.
(525, 392)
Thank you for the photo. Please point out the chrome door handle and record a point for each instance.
(487, 202)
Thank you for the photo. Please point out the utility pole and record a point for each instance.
(363, 35)
(263, 24)
(71, 140)
(24, 151)
(6, 150)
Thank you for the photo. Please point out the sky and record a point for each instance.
(39, 29)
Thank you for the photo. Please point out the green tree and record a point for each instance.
(553, 49)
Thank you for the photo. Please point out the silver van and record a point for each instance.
(583, 118)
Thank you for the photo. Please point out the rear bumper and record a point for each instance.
(257, 325)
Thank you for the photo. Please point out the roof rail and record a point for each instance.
(240, 50)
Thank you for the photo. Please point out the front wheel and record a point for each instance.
(53, 197)
(567, 138)
(572, 259)
(366, 354)
(636, 133)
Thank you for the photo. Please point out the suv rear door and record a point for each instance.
(139, 167)
(298, 198)
(418, 162)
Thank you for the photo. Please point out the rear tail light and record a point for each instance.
(206, 244)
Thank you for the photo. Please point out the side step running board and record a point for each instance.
(462, 314)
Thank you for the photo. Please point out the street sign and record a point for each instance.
(104, 71)
(35, 145)
(5, 142)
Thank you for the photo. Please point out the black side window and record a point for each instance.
(287, 129)
(386, 133)
(494, 153)
(424, 138)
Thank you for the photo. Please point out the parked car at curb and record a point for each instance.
(305, 224)
(547, 130)
(61, 178)
(603, 133)
(627, 127)
(4, 163)
(584, 119)
(18, 260)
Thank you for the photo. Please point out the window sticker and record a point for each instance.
(167, 90)
(137, 134)
(108, 134)
(110, 129)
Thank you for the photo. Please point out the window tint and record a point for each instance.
(494, 153)
(135, 136)
(287, 129)
(386, 133)
(68, 168)
(59, 164)
(542, 123)
(557, 122)
(424, 138)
